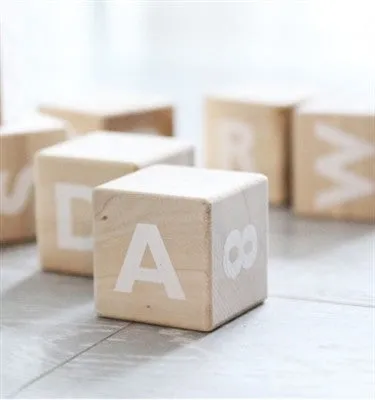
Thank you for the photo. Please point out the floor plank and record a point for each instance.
(283, 348)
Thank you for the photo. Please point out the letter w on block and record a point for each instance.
(350, 186)
(15, 202)
(164, 273)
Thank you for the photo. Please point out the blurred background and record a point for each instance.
(181, 49)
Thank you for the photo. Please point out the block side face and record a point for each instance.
(239, 135)
(158, 121)
(240, 252)
(64, 211)
(78, 122)
(167, 237)
(334, 166)
(16, 190)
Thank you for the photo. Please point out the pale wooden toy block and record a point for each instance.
(18, 144)
(114, 113)
(334, 158)
(65, 177)
(249, 130)
(179, 246)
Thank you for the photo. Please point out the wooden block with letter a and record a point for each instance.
(334, 157)
(18, 144)
(179, 246)
(102, 111)
(249, 130)
(65, 177)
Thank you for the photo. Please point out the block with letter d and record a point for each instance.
(65, 177)
(18, 144)
(334, 158)
(179, 246)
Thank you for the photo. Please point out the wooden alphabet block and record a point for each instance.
(179, 246)
(111, 113)
(250, 131)
(334, 158)
(65, 177)
(18, 144)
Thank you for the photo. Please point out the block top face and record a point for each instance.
(332, 104)
(32, 125)
(185, 182)
(138, 149)
(108, 105)
(268, 95)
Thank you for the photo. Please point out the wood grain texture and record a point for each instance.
(283, 348)
(103, 112)
(18, 145)
(192, 212)
(86, 162)
(251, 132)
(334, 162)
(45, 318)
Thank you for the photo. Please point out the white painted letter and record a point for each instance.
(64, 194)
(349, 185)
(15, 202)
(237, 142)
(164, 273)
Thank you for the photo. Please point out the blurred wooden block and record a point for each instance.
(334, 158)
(18, 144)
(249, 130)
(65, 176)
(113, 113)
(178, 246)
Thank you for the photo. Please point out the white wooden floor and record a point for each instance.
(314, 337)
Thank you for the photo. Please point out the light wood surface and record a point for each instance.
(187, 215)
(315, 326)
(334, 159)
(65, 176)
(18, 144)
(249, 130)
(103, 111)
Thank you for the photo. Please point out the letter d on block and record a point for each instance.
(164, 273)
(65, 193)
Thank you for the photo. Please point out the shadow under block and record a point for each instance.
(250, 131)
(140, 115)
(18, 144)
(334, 159)
(65, 177)
(179, 246)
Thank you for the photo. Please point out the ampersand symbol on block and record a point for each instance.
(244, 259)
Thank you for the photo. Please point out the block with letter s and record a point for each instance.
(19, 141)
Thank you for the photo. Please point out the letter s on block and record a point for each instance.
(15, 202)
(65, 193)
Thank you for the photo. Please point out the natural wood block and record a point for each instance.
(65, 177)
(112, 113)
(334, 158)
(179, 246)
(18, 144)
(249, 130)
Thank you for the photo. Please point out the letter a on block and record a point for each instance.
(164, 273)
(65, 193)
(15, 202)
